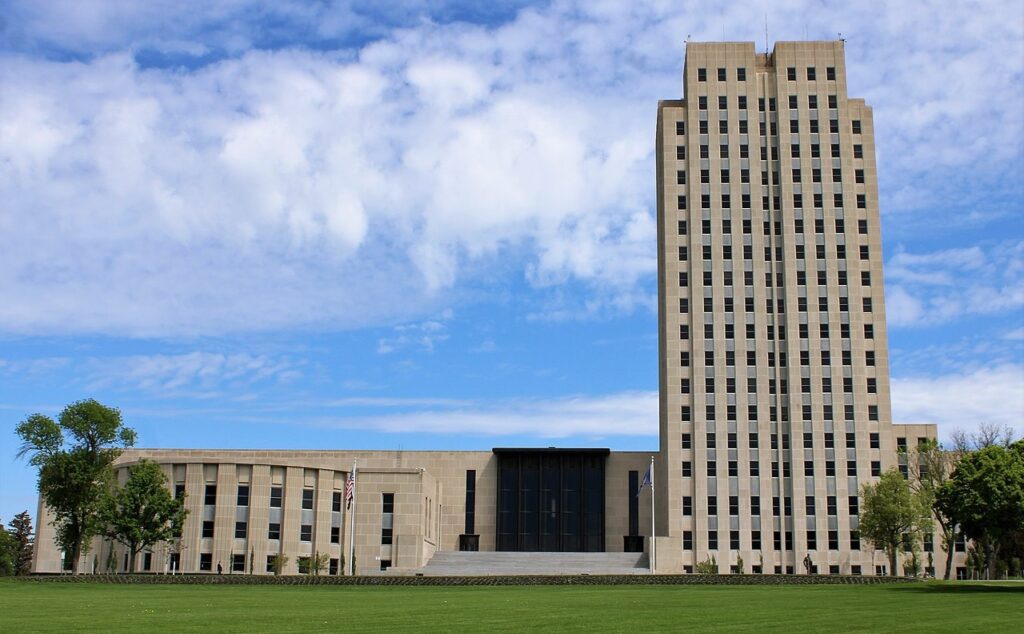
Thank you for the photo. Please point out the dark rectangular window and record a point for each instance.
(207, 528)
(470, 519)
(687, 506)
(687, 540)
(274, 531)
(179, 491)
(205, 562)
(210, 495)
(276, 494)
(243, 495)
(306, 533)
(336, 502)
(387, 503)
(307, 499)
(335, 534)
(241, 530)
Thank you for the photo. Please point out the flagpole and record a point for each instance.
(352, 523)
(654, 548)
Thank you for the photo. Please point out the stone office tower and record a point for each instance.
(774, 372)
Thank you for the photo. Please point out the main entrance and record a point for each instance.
(551, 500)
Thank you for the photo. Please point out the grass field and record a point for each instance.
(926, 607)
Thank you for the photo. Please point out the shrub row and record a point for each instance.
(501, 580)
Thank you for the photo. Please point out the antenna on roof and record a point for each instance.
(766, 32)
(841, 38)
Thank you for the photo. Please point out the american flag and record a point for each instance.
(350, 489)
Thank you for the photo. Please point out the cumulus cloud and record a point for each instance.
(962, 400)
(324, 165)
(938, 287)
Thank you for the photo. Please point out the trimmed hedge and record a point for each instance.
(500, 580)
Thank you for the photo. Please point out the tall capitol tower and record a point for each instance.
(774, 368)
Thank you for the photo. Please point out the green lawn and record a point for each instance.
(926, 607)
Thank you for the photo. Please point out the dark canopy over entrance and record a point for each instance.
(551, 499)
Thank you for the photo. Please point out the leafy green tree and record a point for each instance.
(278, 562)
(986, 496)
(142, 512)
(21, 530)
(891, 513)
(929, 468)
(74, 455)
(319, 562)
(8, 553)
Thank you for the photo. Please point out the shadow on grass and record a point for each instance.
(961, 588)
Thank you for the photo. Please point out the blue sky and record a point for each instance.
(431, 225)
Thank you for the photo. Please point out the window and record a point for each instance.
(336, 502)
(712, 540)
(856, 126)
(702, 74)
(687, 441)
(702, 103)
(858, 151)
(241, 530)
(833, 540)
(812, 540)
(791, 73)
(830, 73)
(811, 75)
(306, 533)
(687, 506)
(855, 545)
(755, 505)
(302, 563)
(869, 332)
(274, 531)
(387, 503)
(723, 102)
(179, 491)
(210, 495)
(680, 131)
(243, 495)
(734, 540)
(687, 469)
(307, 499)
(702, 128)
(833, 101)
(386, 536)
(741, 75)
(755, 543)
(687, 540)
(862, 201)
(873, 440)
(712, 505)
(876, 468)
(207, 528)
(854, 505)
(206, 562)
(809, 504)
(712, 468)
(851, 468)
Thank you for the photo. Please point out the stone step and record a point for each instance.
(455, 563)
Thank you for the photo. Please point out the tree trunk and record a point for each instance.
(76, 554)
(132, 552)
(892, 561)
(949, 559)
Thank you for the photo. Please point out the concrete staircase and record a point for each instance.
(455, 563)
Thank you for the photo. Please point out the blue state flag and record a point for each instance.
(646, 481)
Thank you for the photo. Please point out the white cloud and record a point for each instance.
(421, 336)
(939, 287)
(194, 372)
(290, 187)
(621, 414)
(962, 400)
